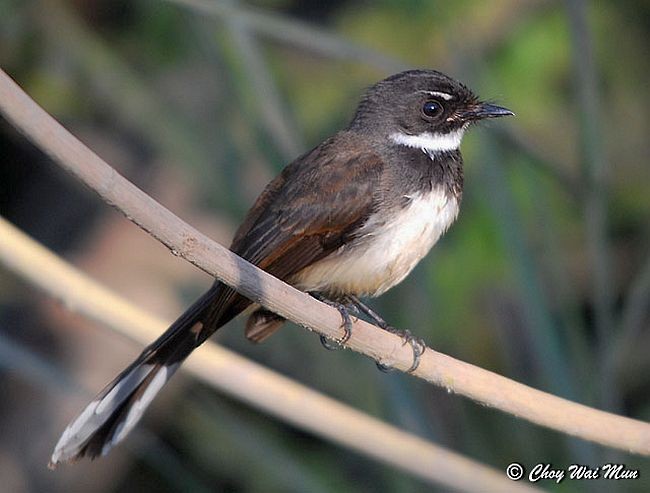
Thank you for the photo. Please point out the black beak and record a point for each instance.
(486, 110)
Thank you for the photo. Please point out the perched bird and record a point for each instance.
(350, 218)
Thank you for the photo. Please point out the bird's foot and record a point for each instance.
(346, 324)
(417, 345)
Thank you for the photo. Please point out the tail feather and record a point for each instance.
(262, 324)
(110, 417)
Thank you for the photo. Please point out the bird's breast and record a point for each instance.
(388, 246)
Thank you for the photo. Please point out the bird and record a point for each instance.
(348, 219)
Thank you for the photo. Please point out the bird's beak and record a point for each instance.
(482, 111)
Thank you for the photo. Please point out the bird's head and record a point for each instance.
(422, 108)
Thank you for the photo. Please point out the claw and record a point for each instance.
(346, 325)
(352, 303)
(417, 345)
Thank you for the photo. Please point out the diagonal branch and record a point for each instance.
(183, 240)
(248, 381)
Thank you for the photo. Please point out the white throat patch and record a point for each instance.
(430, 143)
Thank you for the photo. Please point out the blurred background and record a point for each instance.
(545, 278)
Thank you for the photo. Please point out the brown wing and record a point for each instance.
(314, 206)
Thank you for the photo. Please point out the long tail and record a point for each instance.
(116, 410)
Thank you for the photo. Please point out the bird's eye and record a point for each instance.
(432, 109)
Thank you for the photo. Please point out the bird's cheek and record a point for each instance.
(405, 125)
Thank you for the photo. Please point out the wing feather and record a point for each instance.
(310, 210)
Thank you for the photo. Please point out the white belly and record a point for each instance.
(387, 252)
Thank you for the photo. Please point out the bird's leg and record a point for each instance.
(366, 310)
(417, 344)
(344, 309)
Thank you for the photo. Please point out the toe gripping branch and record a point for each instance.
(353, 304)
(344, 309)
(417, 345)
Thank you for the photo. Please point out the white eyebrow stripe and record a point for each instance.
(444, 95)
